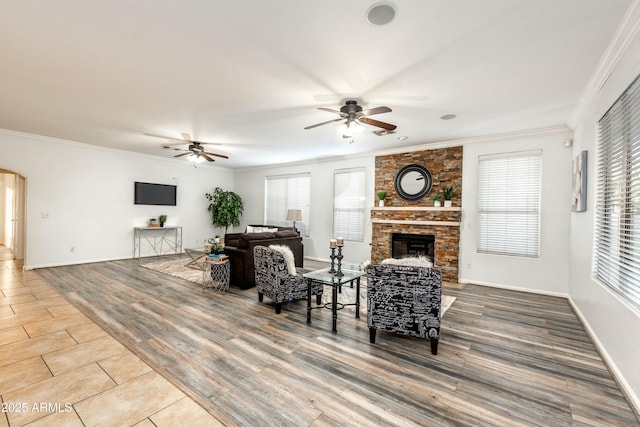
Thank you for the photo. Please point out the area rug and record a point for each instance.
(176, 268)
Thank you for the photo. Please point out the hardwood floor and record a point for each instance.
(505, 358)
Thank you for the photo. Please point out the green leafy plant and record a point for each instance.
(162, 219)
(225, 208)
(217, 248)
(448, 192)
(436, 197)
(382, 195)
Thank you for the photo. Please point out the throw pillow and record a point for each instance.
(421, 261)
(252, 229)
(288, 257)
(270, 230)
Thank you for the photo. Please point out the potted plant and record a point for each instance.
(152, 222)
(381, 196)
(448, 195)
(162, 219)
(225, 208)
(217, 248)
(437, 200)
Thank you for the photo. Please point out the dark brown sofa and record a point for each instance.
(239, 248)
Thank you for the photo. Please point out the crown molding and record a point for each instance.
(624, 35)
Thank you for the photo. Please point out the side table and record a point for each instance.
(215, 275)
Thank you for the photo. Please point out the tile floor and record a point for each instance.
(59, 368)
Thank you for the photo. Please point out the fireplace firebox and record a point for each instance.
(404, 245)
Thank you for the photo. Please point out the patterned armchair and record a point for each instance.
(273, 279)
(404, 299)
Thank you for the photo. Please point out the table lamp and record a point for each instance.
(294, 215)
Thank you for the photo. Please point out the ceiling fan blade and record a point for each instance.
(183, 154)
(169, 147)
(207, 143)
(207, 157)
(340, 113)
(163, 137)
(324, 123)
(377, 110)
(186, 137)
(214, 154)
(377, 123)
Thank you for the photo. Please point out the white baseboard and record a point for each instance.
(515, 288)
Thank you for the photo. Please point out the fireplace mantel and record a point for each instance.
(416, 208)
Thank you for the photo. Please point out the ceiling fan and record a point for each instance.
(195, 151)
(354, 116)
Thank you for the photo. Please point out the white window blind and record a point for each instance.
(508, 220)
(286, 192)
(616, 258)
(348, 204)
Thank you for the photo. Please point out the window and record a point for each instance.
(509, 203)
(348, 204)
(616, 258)
(286, 192)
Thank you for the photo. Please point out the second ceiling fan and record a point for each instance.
(354, 116)
(195, 149)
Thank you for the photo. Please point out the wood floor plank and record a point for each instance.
(504, 358)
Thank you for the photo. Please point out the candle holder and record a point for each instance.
(339, 256)
(333, 258)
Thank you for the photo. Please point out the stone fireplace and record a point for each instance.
(420, 218)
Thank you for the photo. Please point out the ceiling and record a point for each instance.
(251, 74)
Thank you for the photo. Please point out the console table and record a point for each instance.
(157, 238)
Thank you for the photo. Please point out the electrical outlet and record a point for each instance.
(468, 266)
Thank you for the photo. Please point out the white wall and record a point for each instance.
(79, 205)
(614, 324)
(549, 273)
(250, 184)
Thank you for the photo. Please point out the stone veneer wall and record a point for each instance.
(445, 165)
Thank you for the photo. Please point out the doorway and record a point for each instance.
(12, 216)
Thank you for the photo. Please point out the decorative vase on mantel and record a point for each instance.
(381, 196)
(447, 203)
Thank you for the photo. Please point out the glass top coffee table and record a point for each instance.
(331, 279)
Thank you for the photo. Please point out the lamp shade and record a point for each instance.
(294, 215)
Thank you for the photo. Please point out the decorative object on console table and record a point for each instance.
(381, 196)
(437, 200)
(152, 223)
(162, 219)
(448, 195)
(294, 215)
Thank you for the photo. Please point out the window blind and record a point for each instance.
(508, 221)
(286, 192)
(616, 258)
(348, 204)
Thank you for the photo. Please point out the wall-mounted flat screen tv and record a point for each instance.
(154, 194)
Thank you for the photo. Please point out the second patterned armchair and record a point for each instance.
(274, 279)
(404, 299)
